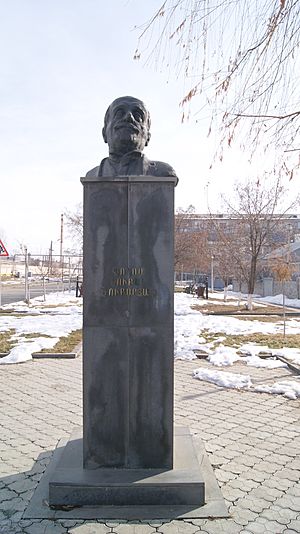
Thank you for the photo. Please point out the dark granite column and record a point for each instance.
(128, 322)
(124, 458)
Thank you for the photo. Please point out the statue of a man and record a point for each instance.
(127, 131)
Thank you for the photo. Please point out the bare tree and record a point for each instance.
(74, 223)
(191, 251)
(224, 265)
(184, 239)
(257, 212)
(240, 60)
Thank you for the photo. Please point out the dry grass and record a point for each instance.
(241, 310)
(5, 313)
(66, 343)
(34, 335)
(45, 305)
(259, 318)
(6, 344)
(273, 341)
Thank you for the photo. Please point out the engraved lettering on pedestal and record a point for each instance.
(128, 283)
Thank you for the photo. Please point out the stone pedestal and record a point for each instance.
(126, 453)
(128, 322)
(72, 485)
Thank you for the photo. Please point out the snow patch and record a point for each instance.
(223, 378)
(288, 388)
(62, 319)
(23, 351)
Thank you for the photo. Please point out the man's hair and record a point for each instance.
(132, 98)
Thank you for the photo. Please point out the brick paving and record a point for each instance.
(253, 442)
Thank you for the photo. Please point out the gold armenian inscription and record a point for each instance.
(127, 282)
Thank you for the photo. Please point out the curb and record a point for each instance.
(58, 355)
(51, 355)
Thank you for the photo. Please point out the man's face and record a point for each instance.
(127, 126)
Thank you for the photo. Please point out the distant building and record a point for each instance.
(195, 222)
(285, 238)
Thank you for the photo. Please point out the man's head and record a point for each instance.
(126, 125)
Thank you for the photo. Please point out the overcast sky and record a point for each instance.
(62, 63)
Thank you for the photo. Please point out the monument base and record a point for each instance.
(71, 485)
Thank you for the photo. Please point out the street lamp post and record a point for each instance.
(27, 297)
(212, 273)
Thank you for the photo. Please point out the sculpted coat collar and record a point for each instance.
(125, 158)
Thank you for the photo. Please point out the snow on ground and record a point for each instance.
(223, 379)
(187, 327)
(276, 299)
(53, 300)
(62, 313)
(224, 356)
(190, 323)
(289, 388)
(58, 316)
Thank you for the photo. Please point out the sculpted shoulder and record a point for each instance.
(93, 172)
(160, 168)
(142, 166)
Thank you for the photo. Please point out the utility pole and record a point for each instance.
(61, 238)
(50, 258)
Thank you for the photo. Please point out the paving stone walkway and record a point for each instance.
(253, 442)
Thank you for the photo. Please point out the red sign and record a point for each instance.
(3, 251)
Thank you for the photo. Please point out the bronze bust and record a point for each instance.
(126, 130)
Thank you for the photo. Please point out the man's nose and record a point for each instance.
(129, 116)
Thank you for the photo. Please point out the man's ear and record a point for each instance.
(104, 134)
(148, 139)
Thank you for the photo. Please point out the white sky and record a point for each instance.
(62, 63)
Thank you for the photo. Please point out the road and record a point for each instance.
(15, 292)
